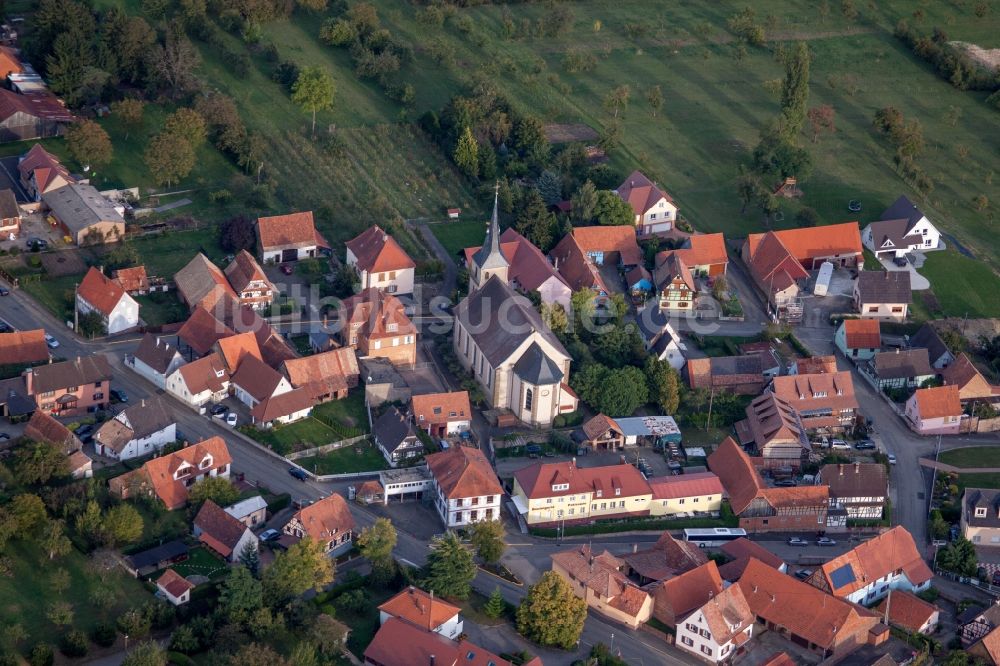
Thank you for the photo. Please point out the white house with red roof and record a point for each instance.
(381, 262)
(174, 588)
(289, 238)
(41, 172)
(98, 293)
(465, 488)
(655, 212)
(687, 494)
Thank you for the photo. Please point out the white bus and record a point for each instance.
(713, 536)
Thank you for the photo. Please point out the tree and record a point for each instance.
(173, 63)
(584, 202)
(219, 489)
(59, 613)
(664, 384)
(720, 288)
(122, 255)
(626, 391)
(655, 98)
(37, 462)
(535, 222)
(74, 644)
(376, 544)
(169, 159)
(981, 202)
(60, 579)
(807, 217)
(305, 565)
(134, 623)
(616, 101)
(467, 153)
(122, 524)
(551, 614)
(821, 118)
(747, 188)
(304, 653)
(88, 524)
(88, 143)
(54, 540)
(147, 653)
(959, 557)
(938, 526)
(186, 124)
(795, 92)
(237, 233)
(26, 512)
(848, 9)
(488, 538)
(241, 595)
(495, 605)
(775, 154)
(91, 325)
(450, 567)
(549, 187)
(313, 91)
(328, 635)
(256, 654)
(612, 210)
(130, 111)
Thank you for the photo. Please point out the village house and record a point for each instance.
(198, 335)
(639, 283)
(519, 362)
(23, 348)
(764, 509)
(327, 521)
(528, 269)
(380, 262)
(133, 280)
(911, 613)
(119, 312)
(859, 488)
(824, 402)
(325, 376)
(561, 492)
(608, 245)
(423, 610)
(840, 244)
(282, 408)
(742, 375)
(423, 647)
(774, 431)
(290, 237)
(396, 438)
(901, 229)
(972, 385)
(883, 294)
(251, 512)
(812, 365)
(33, 116)
(41, 172)
(598, 580)
(200, 382)
(938, 353)
(698, 493)
(986, 650)
(655, 212)
(170, 476)
(71, 387)
(667, 558)
(719, 630)
(907, 368)
(249, 282)
(935, 411)
(777, 272)
(155, 359)
(202, 283)
(43, 428)
(10, 215)
(981, 516)
(254, 381)
(600, 432)
(442, 414)
(84, 214)
(704, 254)
(677, 597)
(809, 617)
(222, 534)
(771, 362)
(577, 270)
(977, 624)
(465, 488)
(675, 284)
(174, 588)
(660, 338)
(740, 551)
(145, 427)
(867, 573)
(858, 339)
(376, 325)
(234, 349)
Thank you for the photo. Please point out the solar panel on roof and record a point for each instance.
(842, 576)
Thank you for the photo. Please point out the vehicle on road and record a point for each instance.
(891, 458)
(797, 541)
(118, 395)
(713, 536)
(34, 243)
(786, 483)
(865, 445)
(802, 574)
(825, 541)
(218, 411)
(269, 535)
(51, 342)
(4, 291)
(231, 419)
(298, 473)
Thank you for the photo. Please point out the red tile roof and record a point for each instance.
(205, 374)
(235, 349)
(132, 279)
(439, 408)
(597, 426)
(328, 517)
(399, 643)
(862, 333)
(324, 373)
(873, 559)
(773, 264)
(219, 531)
(728, 615)
(283, 404)
(537, 480)
(23, 347)
(102, 293)
(258, 379)
(202, 330)
(668, 557)
(740, 551)
(699, 484)
(160, 471)
(201, 282)
(672, 269)
(420, 608)
(243, 270)
(641, 193)
(677, 597)
(603, 575)
(809, 242)
(463, 472)
(938, 402)
(43, 105)
(291, 230)
(528, 265)
(174, 583)
(44, 428)
(9, 62)
(576, 269)
(803, 392)
(378, 252)
(737, 473)
(970, 381)
(700, 250)
(815, 365)
(44, 165)
(607, 239)
(377, 312)
(907, 610)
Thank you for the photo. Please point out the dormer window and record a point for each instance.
(205, 463)
(556, 487)
(437, 410)
(220, 373)
(618, 492)
(392, 327)
(980, 512)
(600, 493)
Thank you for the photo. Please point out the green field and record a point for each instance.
(972, 456)
(347, 459)
(456, 236)
(963, 286)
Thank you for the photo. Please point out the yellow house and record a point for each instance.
(699, 493)
(547, 493)
(599, 581)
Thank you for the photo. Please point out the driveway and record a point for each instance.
(917, 281)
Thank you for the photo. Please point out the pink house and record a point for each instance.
(935, 411)
(70, 387)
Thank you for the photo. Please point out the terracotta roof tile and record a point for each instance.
(378, 252)
(988, 646)
(160, 471)
(809, 242)
(220, 531)
(893, 549)
(815, 365)
(673, 268)
(938, 402)
(421, 645)
(804, 392)
(243, 270)
(607, 239)
(741, 481)
(727, 614)
(537, 480)
(597, 426)
(324, 373)
(677, 597)
(202, 330)
(44, 165)
(420, 608)
(101, 292)
(463, 472)
(132, 279)
(257, 378)
(44, 428)
(668, 557)
(576, 269)
(283, 404)
(174, 583)
(970, 381)
(155, 352)
(205, 374)
(328, 517)
(699, 484)
(907, 610)
(203, 283)
(291, 230)
(855, 479)
(773, 265)
(745, 548)
(377, 312)
(862, 333)
(603, 575)
(20, 347)
(436, 408)
(235, 349)
(700, 250)
(528, 265)
(641, 193)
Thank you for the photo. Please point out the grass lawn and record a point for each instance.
(346, 460)
(55, 294)
(26, 591)
(303, 434)
(973, 456)
(200, 562)
(963, 286)
(456, 236)
(161, 308)
(707, 439)
(349, 413)
(871, 262)
(978, 481)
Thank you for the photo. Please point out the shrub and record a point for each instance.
(74, 644)
(104, 634)
(41, 655)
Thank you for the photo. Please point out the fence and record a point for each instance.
(333, 446)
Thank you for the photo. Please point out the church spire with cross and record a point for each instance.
(489, 259)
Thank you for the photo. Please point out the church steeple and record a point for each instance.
(489, 259)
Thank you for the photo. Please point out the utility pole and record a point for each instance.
(76, 320)
(930, 496)
(711, 399)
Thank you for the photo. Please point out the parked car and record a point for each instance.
(118, 395)
(269, 535)
(825, 541)
(786, 483)
(51, 342)
(4, 291)
(298, 473)
(900, 261)
(865, 445)
(891, 458)
(802, 574)
(797, 541)
(85, 433)
(218, 411)
(533, 448)
(35, 243)
(231, 419)
(840, 444)
(953, 533)
(4, 437)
